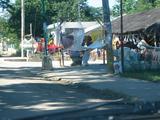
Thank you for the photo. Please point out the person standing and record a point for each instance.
(86, 42)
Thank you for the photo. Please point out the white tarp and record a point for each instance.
(97, 44)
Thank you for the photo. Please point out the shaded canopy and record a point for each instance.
(137, 22)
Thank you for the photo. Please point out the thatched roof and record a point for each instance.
(137, 22)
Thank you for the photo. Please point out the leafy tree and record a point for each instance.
(129, 6)
(143, 5)
(6, 33)
(4, 3)
(157, 3)
(133, 6)
(152, 2)
(56, 10)
(116, 10)
(2, 26)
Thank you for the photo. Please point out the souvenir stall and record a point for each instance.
(141, 38)
(78, 39)
(72, 38)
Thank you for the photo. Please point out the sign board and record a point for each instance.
(28, 42)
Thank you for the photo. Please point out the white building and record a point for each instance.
(55, 29)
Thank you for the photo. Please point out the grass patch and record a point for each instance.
(153, 75)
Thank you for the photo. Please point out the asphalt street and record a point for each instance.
(26, 94)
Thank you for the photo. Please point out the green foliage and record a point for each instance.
(133, 6)
(3, 24)
(129, 6)
(153, 75)
(116, 10)
(55, 11)
(6, 33)
(143, 5)
(157, 2)
(4, 3)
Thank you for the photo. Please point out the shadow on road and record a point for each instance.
(24, 93)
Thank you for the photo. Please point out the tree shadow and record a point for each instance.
(19, 72)
(23, 94)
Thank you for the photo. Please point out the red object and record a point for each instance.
(39, 47)
(42, 40)
(52, 48)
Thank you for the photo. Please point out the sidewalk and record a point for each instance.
(95, 76)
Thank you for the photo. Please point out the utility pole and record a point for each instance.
(121, 38)
(22, 27)
(108, 35)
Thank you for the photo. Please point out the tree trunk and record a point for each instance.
(108, 35)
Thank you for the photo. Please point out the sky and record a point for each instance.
(98, 3)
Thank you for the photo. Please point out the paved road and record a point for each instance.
(25, 93)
